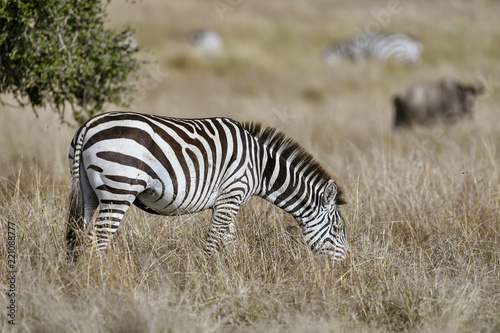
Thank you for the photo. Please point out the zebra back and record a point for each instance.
(383, 47)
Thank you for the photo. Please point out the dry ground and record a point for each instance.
(423, 212)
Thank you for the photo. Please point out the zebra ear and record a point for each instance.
(330, 193)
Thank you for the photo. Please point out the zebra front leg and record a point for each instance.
(222, 230)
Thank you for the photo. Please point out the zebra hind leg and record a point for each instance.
(82, 205)
(107, 222)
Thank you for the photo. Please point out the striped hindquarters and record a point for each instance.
(385, 46)
(394, 46)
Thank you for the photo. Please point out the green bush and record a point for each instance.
(58, 53)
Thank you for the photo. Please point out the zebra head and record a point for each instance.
(324, 230)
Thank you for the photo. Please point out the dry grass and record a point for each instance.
(423, 213)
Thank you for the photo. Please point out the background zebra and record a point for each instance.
(385, 46)
(174, 166)
(206, 41)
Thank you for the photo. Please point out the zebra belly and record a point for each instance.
(163, 201)
(157, 196)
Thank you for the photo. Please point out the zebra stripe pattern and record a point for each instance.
(172, 166)
(383, 47)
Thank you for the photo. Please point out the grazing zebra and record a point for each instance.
(206, 41)
(385, 46)
(173, 166)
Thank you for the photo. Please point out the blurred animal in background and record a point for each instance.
(206, 41)
(446, 101)
(381, 47)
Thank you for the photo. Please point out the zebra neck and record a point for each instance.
(285, 184)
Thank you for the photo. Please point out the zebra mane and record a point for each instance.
(274, 140)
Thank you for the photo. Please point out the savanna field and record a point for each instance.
(423, 212)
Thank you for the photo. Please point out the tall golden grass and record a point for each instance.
(423, 205)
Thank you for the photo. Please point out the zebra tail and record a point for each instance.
(75, 222)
